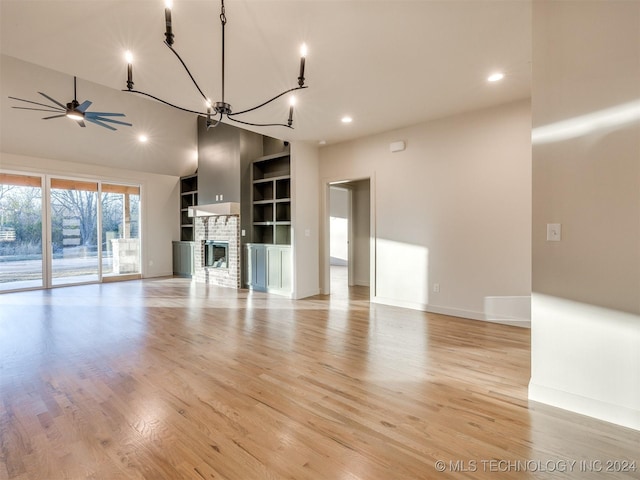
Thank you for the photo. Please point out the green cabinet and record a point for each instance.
(183, 259)
(268, 268)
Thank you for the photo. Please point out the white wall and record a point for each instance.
(172, 145)
(59, 147)
(160, 202)
(305, 219)
(453, 209)
(585, 344)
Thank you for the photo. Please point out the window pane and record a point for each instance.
(20, 232)
(120, 230)
(74, 228)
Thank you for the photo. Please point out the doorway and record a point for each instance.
(349, 237)
(340, 204)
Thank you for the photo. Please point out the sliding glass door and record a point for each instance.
(120, 230)
(21, 232)
(74, 232)
(92, 231)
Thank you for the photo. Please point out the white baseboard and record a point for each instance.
(591, 407)
(305, 294)
(453, 312)
(399, 303)
(157, 275)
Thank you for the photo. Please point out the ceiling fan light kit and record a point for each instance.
(216, 110)
(74, 110)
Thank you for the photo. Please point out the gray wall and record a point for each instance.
(224, 159)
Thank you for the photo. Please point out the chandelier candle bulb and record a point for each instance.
(129, 57)
(303, 54)
(292, 102)
(167, 21)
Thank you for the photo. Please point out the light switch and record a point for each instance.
(554, 232)
(244, 233)
(307, 232)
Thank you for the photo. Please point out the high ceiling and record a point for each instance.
(387, 64)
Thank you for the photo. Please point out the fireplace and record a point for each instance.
(216, 254)
(216, 257)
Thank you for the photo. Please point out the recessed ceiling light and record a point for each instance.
(347, 119)
(143, 138)
(322, 142)
(495, 77)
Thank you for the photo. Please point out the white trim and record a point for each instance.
(325, 268)
(608, 412)
(452, 312)
(304, 294)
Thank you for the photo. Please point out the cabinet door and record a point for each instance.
(187, 259)
(183, 259)
(177, 264)
(285, 269)
(273, 268)
(258, 268)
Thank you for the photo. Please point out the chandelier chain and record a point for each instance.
(223, 21)
(223, 17)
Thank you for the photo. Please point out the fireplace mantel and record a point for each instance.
(214, 209)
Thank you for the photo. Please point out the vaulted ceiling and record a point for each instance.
(387, 64)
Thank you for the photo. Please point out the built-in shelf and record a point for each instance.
(188, 198)
(271, 201)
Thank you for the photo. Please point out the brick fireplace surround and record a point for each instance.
(220, 228)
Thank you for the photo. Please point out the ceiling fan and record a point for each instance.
(74, 110)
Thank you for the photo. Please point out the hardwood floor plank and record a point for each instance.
(168, 379)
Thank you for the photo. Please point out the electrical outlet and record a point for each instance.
(436, 288)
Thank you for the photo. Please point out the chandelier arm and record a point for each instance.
(268, 102)
(214, 124)
(165, 102)
(188, 71)
(260, 124)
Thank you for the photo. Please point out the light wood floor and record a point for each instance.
(168, 379)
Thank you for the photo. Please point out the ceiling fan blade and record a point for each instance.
(35, 103)
(83, 106)
(54, 116)
(38, 109)
(98, 122)
(53, 100)
(105, 114)
(100, 119)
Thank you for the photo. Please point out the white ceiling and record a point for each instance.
(387, 64)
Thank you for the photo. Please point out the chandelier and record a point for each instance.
(216, 111)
